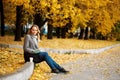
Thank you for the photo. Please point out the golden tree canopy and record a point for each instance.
(102, 13)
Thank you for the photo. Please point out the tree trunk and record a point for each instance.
(22, 31)
(50, 28)
(18, 23)
(63, 32)
(2, 19)
(81, 33)
(86, 33)
(58, 32)
(93, 35)
(39, 21)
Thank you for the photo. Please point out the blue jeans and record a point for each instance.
(52, 64)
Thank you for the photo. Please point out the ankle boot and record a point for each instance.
(63, 70)
(55, 71)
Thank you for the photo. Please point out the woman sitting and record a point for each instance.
(31, 49)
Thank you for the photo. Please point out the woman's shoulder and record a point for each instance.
(27, 36)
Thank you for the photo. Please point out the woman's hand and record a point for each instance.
(36, 51)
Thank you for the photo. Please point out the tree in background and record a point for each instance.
(115, 34)
(18, 23)
(19, 16)
(50, 29)
(2, 18)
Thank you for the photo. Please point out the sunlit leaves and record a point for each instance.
(19, 2)
(103, 22)
(11, 60)
(104, 13)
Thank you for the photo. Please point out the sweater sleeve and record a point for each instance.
(26, 45)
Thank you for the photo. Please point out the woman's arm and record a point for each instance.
(26, 46)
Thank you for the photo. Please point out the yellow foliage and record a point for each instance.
(9, 61)
(19, 2)
(104, 13)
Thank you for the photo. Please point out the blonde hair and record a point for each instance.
(38, 34)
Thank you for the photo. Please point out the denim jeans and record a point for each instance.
(52, 64)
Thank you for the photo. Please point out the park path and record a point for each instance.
(103, 66)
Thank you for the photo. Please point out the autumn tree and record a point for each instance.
(105, 16)
(18, 23)
(100, 14)
(19, 16)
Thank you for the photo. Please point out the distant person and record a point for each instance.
(31, 49)
(45, 28)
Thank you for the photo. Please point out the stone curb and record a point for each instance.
(91, 51)
(23, 73)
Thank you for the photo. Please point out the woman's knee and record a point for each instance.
(45, 53)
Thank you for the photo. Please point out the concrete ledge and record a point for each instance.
(91, 51)
(23, 73)
(51, 50)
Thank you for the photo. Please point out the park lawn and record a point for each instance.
(56, 43)
(10, 60)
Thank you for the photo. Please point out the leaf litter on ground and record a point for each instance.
(10, 60)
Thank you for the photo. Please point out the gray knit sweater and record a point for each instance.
(30, 44)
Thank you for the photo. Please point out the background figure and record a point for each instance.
(44, 30)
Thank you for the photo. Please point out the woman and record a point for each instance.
(31, 50)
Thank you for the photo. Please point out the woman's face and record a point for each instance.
(34, 30)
